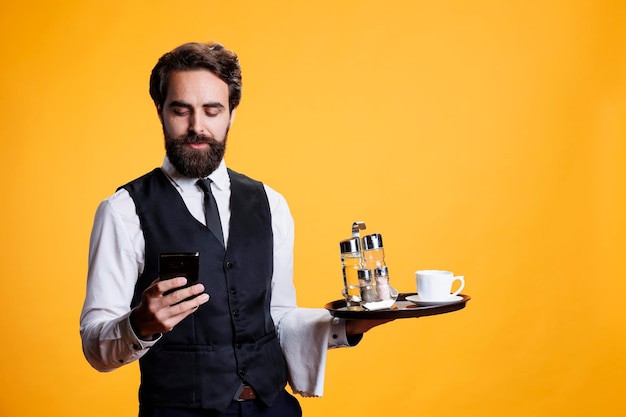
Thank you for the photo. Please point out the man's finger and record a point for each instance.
(170, 284)
(189, 306)
(181, 294)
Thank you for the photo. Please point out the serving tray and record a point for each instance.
(402, 309)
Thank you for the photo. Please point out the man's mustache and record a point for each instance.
(192, 139)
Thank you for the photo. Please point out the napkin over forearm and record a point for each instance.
(304, 334)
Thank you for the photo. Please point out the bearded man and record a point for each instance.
(227, 345)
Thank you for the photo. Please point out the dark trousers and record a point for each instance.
(285, 405)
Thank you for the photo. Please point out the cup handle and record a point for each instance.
(462, 279)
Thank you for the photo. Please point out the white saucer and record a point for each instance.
(417, 300)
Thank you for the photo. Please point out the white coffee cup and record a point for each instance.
(436, 285)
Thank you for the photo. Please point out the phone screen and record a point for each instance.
(173, 265)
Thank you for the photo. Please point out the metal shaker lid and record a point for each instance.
(350, 245)
(365, 274)
(374, 241)
(381, 271)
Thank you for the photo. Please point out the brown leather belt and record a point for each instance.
(247, 394)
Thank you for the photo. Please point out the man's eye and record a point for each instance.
(180, 112)
(212, 113)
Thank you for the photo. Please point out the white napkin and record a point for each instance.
(304, 336)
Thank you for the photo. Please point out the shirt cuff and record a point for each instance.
(338, 337)
(136, 342)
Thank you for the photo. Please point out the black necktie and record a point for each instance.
(211, 213)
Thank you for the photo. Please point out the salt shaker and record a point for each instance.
(368, 293)
(381, 276)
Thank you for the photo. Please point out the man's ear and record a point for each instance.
(232, 118)
(160, 113)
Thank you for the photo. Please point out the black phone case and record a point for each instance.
(173, 265)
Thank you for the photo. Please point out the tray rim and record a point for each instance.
(334, 307)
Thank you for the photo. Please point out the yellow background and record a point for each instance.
(484, 137)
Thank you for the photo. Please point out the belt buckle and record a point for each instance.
(247, 393)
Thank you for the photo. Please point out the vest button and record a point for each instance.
(229, 265)
(242, 371)
(233, 291)
(238, 345)
(235, 312)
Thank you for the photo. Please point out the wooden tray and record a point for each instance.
(402, 309)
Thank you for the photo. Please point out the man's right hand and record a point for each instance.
(159, 313)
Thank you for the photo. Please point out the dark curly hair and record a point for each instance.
(195, 55)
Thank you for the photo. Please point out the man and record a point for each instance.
(227, 345)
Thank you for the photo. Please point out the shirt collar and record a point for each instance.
(219, 177)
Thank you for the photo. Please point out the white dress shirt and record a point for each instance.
(116, 260)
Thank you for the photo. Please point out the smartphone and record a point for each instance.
(173, 265)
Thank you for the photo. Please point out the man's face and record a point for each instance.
(196, 119)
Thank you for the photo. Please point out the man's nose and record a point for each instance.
(195, 126)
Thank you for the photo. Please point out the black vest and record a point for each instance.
(202, 362)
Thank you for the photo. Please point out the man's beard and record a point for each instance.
(195, 163)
